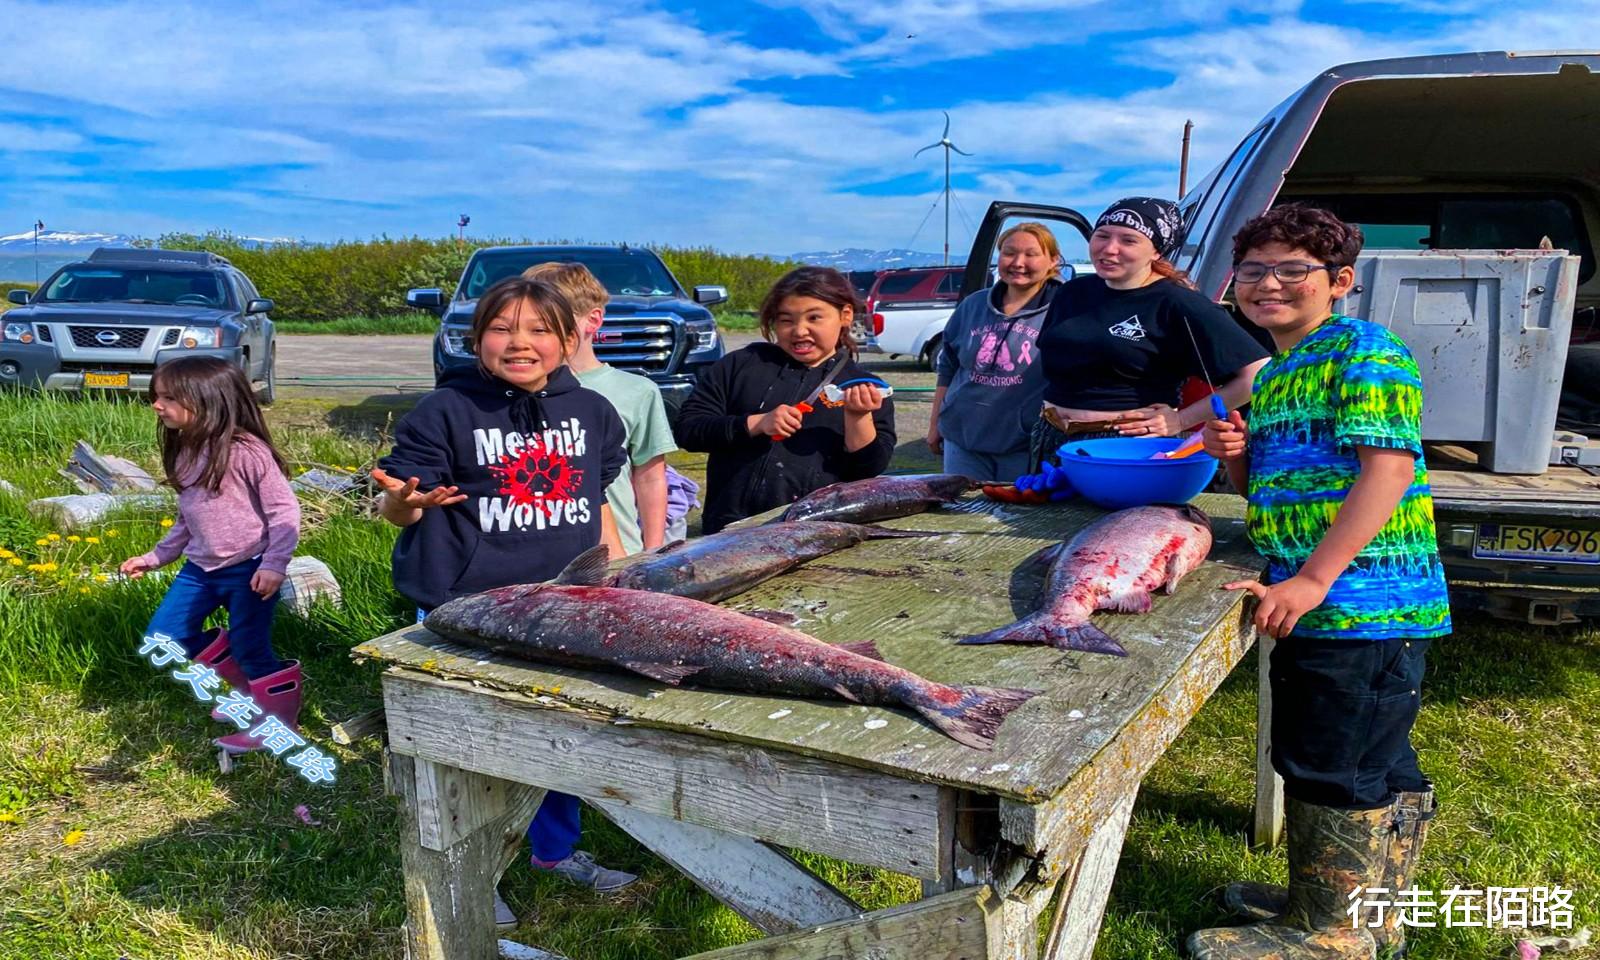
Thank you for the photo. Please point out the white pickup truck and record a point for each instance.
(1474, 179)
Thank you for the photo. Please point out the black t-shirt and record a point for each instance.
(1106, 349)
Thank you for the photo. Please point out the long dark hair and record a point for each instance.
(222, 408)
(819, 283)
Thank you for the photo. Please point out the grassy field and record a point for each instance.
(119, 838)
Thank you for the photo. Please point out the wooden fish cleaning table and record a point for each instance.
(714, 781)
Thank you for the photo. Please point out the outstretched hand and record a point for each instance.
(405, 492)
(1280, 606)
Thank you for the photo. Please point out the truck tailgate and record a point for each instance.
(1462, 490)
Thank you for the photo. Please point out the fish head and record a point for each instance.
(951, 485)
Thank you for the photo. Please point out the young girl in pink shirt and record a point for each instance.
(238, 523)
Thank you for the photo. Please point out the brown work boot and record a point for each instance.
(1331, 853)
(1412, 811)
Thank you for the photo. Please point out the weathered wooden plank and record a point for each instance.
(846, 812)
(1057, 829)
(1076, 924)
(1269, 786)
(763, 885)
(358, 727)
(450, 893)
(453, 804)
(953, 926)
(913, 598)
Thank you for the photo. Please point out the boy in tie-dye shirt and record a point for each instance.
(1338, 504)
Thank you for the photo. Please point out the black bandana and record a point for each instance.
(1157, 219)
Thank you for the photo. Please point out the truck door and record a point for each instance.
(1071, 228)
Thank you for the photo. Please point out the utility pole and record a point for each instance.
(37, 226)
(944, 141)
(1183, 161)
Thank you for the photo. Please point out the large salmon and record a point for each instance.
(672, 639)
(728, 563)
(1112, 564)
(863, 501)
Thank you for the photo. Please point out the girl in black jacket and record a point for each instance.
(744, 411)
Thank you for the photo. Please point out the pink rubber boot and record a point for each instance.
(278, 695)
(218, 657)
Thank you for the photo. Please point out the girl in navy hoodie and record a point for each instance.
(498, 477)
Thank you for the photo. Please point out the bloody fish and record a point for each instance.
(1114, 563)
(673, 639)
(728, 563)
(880, 498)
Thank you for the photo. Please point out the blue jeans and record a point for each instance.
(1342, 712)
(196, 593)
(1003, 467)
(553, 834)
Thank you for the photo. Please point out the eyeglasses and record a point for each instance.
(1252, 272)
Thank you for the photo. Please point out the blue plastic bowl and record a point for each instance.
(1118, 471)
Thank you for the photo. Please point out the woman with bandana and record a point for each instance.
(1117, 345)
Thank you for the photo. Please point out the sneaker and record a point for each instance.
(581, 869)
(503, 917)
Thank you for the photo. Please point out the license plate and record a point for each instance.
(105, 379)
(1521, 541)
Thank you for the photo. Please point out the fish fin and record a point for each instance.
(875, 532)
(1043, 628)
(1135, 601)
(1086, 637)
(975, 719)
(668, 548)
(1175, 573)
(861, 648)
(780, 617)
(669, 673)
(845, 694)
(588, 569)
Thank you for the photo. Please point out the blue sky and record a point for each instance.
(756, 127)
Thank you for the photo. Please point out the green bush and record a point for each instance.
(6, 286)
(313, 283)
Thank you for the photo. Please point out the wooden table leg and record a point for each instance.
(763, 885)
(1076, 925)
(455, 829)
(1269, 786)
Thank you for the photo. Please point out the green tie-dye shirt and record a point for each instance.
(1348, 384)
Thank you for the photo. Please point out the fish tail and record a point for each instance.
(974, 719)
(1047, 629)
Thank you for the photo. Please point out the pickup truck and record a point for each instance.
(105, 323)
(1487, 160)
(652, 326)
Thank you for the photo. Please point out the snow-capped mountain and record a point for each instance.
(859, 258)
(62, 242)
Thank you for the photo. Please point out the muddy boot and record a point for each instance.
(278, 695)
(1331, 853)
(1412, 811)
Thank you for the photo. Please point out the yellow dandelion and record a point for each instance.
(6, 554)
(166, 521)
(74, 538)
(52, 537)
(15, 561)
(36, 567)
(40, 542)
(47, 567)
(8, 818)
(83, 589)
(91, 539)
(111, 533)
(72, 837)
(103, 578)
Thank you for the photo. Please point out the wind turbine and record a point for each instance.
(944, 141)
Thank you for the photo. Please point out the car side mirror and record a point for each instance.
(425, 298)
(258, 306)
(706, 296)
(18, 296)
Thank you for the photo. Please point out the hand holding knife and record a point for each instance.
(804, 406)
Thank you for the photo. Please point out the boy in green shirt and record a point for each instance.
(638, 498)
(1339, 505)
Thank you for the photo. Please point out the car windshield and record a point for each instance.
(200, 288)
(624, 273)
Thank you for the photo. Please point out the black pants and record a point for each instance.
(1342, 713)
(1044, 440)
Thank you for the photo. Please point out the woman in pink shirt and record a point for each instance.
(238, 523)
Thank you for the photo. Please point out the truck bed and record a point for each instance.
(1463, 490)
